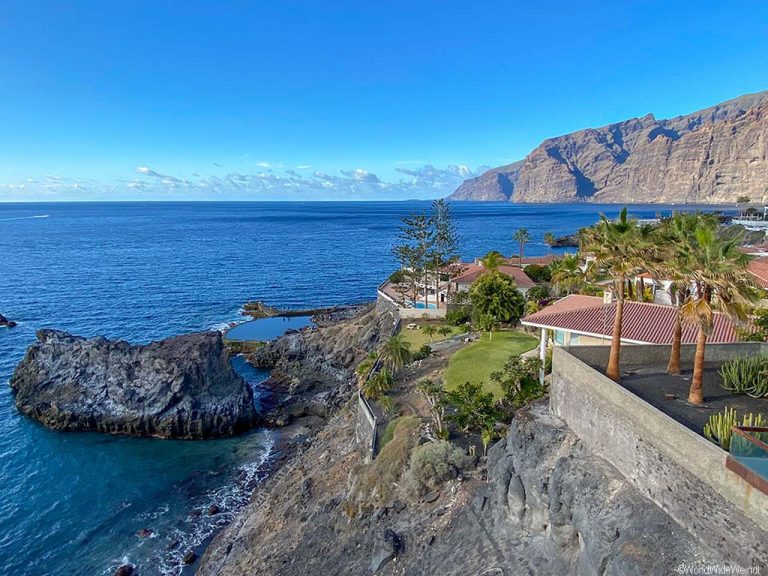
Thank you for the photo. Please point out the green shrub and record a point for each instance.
(423, 352)
(457, 316)
(537, 293)
(747, 375)
(519, 380)
(538, 273)
(435, 463)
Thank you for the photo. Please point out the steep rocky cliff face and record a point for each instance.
(313, 370)
(711, 156)
(182, 387)
(543, 505)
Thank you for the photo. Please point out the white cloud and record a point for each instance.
(425, 181)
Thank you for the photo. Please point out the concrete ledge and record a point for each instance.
(679, 470)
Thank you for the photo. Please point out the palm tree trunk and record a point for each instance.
(641, 290)
(677, 339)
(696, 393)
(613, 360)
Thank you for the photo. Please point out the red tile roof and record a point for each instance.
(642, 322)
(471, 272)
(527, 260)
(759, 269)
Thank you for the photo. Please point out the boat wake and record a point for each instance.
(25, 217)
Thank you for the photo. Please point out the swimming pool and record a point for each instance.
(422, 306)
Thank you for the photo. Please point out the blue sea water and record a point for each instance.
(72, 503)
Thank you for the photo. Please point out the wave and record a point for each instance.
(25, 217)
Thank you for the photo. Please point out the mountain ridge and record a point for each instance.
(713, 155)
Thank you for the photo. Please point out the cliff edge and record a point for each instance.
(712, 156)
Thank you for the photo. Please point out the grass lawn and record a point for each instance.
(475, 362)
(417, 338)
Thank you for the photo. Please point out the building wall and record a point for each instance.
(679, 470)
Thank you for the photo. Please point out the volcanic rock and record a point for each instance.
(182, 387)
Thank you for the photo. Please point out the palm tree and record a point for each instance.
(718, 271)
(549, 240)
(567, 275)
(522, 237)
(396, 352)
(364, 368)
(674, 238)
(492, 260)
(429, 331)
(619, 252)
(445, 331)
(378, 384)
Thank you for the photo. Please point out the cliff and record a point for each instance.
(710, 156)
(182, 387)
(543, 505)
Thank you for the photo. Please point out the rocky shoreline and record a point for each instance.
(6, 323)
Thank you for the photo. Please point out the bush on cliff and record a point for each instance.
(374, 484)
(434, 463)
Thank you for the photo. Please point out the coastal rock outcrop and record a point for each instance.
(4, 322)
(313, 370)
(712, 156)
(181, 387)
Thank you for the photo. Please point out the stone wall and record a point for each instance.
(366, 428)
(658, 355)
(677, 469)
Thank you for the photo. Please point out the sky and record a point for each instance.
(331, 100)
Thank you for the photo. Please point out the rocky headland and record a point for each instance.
(711, 156)
(6, 323)
(181, 387)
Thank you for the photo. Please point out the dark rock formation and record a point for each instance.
(313, 370)
(711, 156)
(182, 387)
(5, 322)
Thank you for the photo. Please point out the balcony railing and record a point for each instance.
(748, 455)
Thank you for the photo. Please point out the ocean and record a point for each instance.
(72, 503)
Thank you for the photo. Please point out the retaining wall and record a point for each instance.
(679, 470)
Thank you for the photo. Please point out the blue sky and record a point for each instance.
(103, 100)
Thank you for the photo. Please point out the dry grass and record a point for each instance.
(374, 484)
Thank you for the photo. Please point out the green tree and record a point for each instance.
(378, 384)
(445, 331)
(567, 276)
(417, 236)
(621, 253)
(474, 410)
(492, 261)
(519, 380)
(674, 237)
(445, 248)
(396, 352)
(550, 240)
(721, 281)
(434, 394)
(496, 295)
(364, 368)
(522, 237)
(429, 331)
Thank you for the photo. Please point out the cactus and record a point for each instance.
(718, 429)
(748, 375)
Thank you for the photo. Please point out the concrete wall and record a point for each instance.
(659, 354)
(366, 429)
(679, 470)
